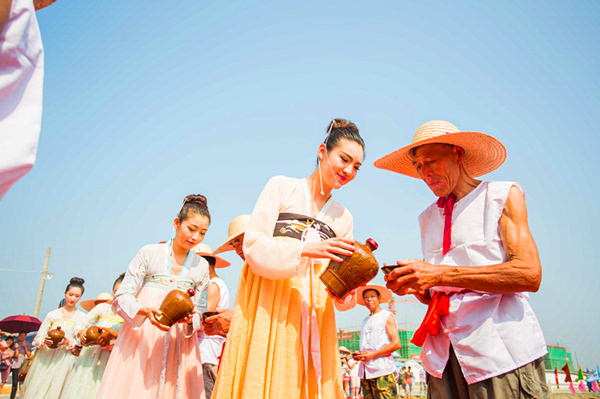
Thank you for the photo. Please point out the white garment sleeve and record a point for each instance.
(190, 330)
(265, 256)
(126, 297)
(88, 320)
(38, 341)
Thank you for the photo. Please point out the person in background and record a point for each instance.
(480, 336)
(151, 360)
(7, 355)
(24, 348)
(353, 370)
(408, 380)
(345, 375)
(83, 382)
(423, 381)
(401, 378)
(219, 324)
(283, 341)
(211, 346)
(378, 340)
(51, 366)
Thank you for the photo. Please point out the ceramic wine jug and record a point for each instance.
(92, 334)
(56, 336)
(175, 306)
(355, 271)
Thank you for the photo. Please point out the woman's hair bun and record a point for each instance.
(196, 198)
(339, 123)
(77, 281)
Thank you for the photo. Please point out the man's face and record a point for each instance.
(438, 165)
(22, 337)
(238, 246)
(371, 298)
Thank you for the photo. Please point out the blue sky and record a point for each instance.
(145, 103)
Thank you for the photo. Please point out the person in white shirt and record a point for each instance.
(378, 340)
(211, 346)
(480, 337)
(423, 380)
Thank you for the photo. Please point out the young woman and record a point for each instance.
(51, 366)
(282, 342)
(83, 382)
(150, 360)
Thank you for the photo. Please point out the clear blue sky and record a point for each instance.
(145, 103)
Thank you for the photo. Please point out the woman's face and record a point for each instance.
(340, 166)
(72, 296)
(9, 342)
(191, 231)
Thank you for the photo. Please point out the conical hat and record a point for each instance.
(384, 293)
(205, 251)
(237, 227)
(91, 303)
(483, 153)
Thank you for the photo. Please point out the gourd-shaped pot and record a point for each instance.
(355, 271)
(175, 306)
(92, 334)
(56, 336)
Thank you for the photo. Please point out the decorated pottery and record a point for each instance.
(92, 334)
(56, 336)
(176, 306)
(355, 271)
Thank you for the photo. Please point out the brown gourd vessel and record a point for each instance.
(175, 307)
(92, 334)
(56, 336)
(353, 272)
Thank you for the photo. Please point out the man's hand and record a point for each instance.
(413, 277)
(218, 324)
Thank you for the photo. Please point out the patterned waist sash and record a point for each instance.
(163, 281)
(308, 229)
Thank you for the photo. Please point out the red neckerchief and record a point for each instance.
(448, 204)
(439, 306)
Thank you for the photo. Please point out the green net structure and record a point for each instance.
(351, 340)
(557, 357)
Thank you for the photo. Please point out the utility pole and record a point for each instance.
(41, 290)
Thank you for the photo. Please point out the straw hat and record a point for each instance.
(384, 294)
(237, 227)
(39, 4)
(91, 303)
(483, 153)
(204, 250)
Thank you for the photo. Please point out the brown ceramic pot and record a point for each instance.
(355, 271)
(56, 336)
(92, 334)
(175, 306)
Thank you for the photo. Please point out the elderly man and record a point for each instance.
(480, 336)
(378, 340)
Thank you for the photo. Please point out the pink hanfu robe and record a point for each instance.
(147, 362)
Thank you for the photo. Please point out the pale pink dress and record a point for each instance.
(147, 362)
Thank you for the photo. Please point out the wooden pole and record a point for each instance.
(36, 313)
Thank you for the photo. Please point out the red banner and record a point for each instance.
(415, 357)
(345, 336)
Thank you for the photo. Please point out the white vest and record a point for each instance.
(491, 334)
(212, 345)
(373, 336)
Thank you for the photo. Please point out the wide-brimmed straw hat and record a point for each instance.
(91, 303)
(39, 4)
(237, 227)
(204, 250)
(384, 293)
(483, 153)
